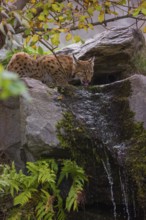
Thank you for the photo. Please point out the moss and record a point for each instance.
(95, 89)
(74, 137)
(128, 132)
(136, 161)
(134, 136)
(68, 90)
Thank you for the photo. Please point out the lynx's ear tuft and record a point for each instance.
(92, 59)
(75, 61)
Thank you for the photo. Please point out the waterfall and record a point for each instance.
(134, 205)
(124, 195)
(107, 169)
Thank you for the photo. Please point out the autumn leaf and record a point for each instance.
(41, 17)
(56, 7)
(27, 40)
(91, 26)
(34, 40)
(136, 12)
(40, 50)
(68, 37)
(144, 29)
(143, 10)
(77, 38)
(143, 5)
(33, 1)
(101, 16)
(33, 10)
(90, 10)
(55, 39)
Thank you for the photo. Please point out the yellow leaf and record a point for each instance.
(90, 10)
(81, 25)
(34, 47)
(35, 38)
(33, 10)
(77, 38)
(61, 18)
(1, 68)
(143, 5)
(33, 1)
(41, 17)
(69, 5)
(108, 4)
(101, 16)
(144, 29)
(55, 39)
(91, 26)
(27, 40)
(143, 10)
(68, 37)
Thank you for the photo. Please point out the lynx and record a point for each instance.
(52, 70)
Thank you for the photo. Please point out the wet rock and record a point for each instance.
(96, 126)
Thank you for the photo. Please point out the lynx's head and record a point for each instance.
(83, 70)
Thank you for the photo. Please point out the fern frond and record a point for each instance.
(15, 215)
(32, 167)
(46, 175)
(71, 201)
(22, 198)
(3, 184)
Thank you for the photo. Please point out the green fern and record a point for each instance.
(23, 197)
(78, 177)
(37, 195)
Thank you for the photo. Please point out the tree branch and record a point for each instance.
(72, 28)
(20, 4)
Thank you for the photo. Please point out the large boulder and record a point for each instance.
(114, 50)
(28, 128)
(39, 118)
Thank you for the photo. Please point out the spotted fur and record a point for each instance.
(52, 70)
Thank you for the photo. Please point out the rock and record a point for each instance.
(97, 125)
(137, 99)
(28, 128)
(10, 135)
(111, 116)
(39, 118)
(114, 52)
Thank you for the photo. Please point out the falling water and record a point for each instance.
(107, 168)
(124, 195)
(134, 205)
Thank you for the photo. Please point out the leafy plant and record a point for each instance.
(11, 85)
(37, 195)
(27, 49)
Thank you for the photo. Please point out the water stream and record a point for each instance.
(107, 169)
(102, 111)
(124, 195)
